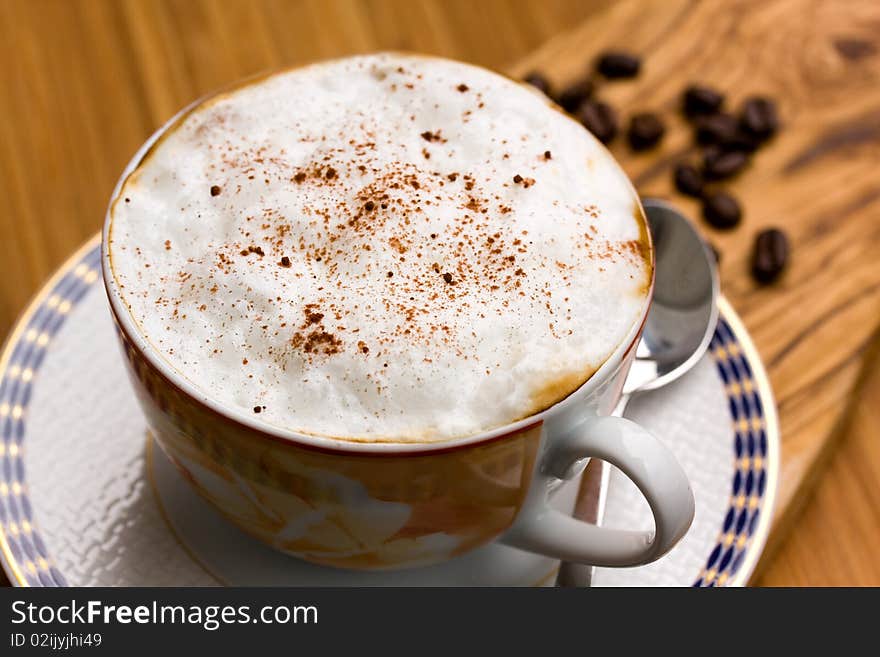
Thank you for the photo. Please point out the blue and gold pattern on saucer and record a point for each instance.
(741, 535)
(751, 424)
(25, 557)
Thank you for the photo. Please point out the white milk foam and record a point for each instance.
(386, 247)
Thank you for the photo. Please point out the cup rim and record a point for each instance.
(154, 357)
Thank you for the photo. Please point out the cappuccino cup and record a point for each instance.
(376, 310)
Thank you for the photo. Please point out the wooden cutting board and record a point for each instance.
(819, 180)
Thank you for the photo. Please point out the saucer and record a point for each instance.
(86, 499)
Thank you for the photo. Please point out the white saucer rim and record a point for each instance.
(767, 504)
(13, 570)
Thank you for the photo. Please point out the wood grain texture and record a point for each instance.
(85, 82)
(835, 543)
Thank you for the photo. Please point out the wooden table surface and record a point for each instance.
(85, 82)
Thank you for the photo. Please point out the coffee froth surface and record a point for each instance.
(381, 248)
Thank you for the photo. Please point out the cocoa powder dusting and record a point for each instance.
(401, 243)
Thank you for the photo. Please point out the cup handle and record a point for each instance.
(651, 466)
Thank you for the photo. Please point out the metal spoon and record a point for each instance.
(677, 332)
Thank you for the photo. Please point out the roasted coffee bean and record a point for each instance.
(722, 164)
(618, 64)
(600, 119)
(539, 82)
(770, 255)
(759, 117)
(716, 128)
(741, 141)
(711, 153)
(645, 131)
(699, 100)
(688, 180)
(574, 95)
(721, 210)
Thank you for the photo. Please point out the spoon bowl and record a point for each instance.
(684, 311)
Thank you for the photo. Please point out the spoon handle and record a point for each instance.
(620, 409)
